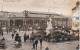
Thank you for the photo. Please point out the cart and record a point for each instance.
(18, 44)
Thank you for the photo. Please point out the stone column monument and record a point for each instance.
(49, 26)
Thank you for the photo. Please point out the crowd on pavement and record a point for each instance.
(34, 39)
(26, 37)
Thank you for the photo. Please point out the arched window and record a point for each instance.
(12, 15)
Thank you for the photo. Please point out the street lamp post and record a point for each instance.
(25, 27)
(13, 28)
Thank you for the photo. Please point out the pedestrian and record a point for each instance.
(28, 36)
(31, 37)
(32, 32)
(46, 48)
(0, 30)
(19, 40)
(17, 34)
(68, 38)
(7, 31)
(2, 33)
(25, 37)
(36, 42)
(77, 48)
(16, 37)
(12, 35)
(41, 42)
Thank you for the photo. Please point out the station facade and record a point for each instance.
(31, 19)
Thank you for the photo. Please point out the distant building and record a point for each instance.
(3, 19)
(76, 16)
(31, 19)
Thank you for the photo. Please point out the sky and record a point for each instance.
(55, 6)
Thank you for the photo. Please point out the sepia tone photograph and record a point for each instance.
(39, 24)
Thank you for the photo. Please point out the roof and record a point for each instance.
(41, 14)
(30, 14)
(16, 14)
(3, 14)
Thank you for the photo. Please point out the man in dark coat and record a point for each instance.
(41, 42)
(19, 40)
(36, 42)
(47, 48)
(12, 35)
(2, 33)
(77, 48)
(25, 37)
(17, 34)
(16, 37)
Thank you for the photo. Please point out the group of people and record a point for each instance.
(17, 38)
(58, 37)
(35, 43)
(34, 40)
(25, 37)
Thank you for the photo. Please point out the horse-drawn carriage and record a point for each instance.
(18, 44)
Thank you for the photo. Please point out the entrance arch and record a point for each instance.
(19, 23)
